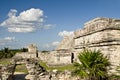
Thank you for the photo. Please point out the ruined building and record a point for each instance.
(32, 52)
(100, 34)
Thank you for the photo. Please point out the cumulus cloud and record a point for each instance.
(65, 33)
(12, 12)
(27, 21)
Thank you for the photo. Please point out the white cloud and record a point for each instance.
(9, 38)
(31, 15)
(46, 46)
(27, 21)
(56, 43)
(51, 45)
(12, 12)
(29, 29)
(6, 40)
(48, 26)
(65, 33)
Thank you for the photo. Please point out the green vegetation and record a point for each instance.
(44, 51)
(59, 68)
(93, 65)
(21, 68)
(8, 53)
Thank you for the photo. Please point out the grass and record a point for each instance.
(59, 68)
(5, 61)
(62, 68)
(21, 68)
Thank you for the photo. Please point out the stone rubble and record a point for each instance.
(37, 72)
(7, 72)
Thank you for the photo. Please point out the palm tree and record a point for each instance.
(93, 65)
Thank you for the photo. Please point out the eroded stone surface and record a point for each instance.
(7, 72)
(100, 34)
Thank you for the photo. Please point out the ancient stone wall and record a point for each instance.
(100, 34)
(66, 43)
(56, 58)
(60, 60)
(32, 48)
(37, 72)
(46, 57)
(7, 72)
(63, 53)
(25, 55)
(32, 52)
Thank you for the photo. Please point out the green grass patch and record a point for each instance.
(59, 68)
(62, 68)
(21, 68)
(43, 64)
(5, 61)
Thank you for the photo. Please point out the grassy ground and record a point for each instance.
(59, 68)
(21, 68)
(5, 61)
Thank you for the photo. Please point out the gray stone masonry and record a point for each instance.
(100, 34)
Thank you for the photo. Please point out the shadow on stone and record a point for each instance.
(19, 77)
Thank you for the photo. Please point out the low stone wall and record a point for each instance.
(26, 55)
(55, 58)
(46, 57)
(52, 58)
(37, 72)
(7, 72)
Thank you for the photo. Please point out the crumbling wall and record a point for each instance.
(37, 72)
(26, 55)
(7, 72)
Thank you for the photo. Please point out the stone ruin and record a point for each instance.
(32, 48)
(7, 71)
(100, 34)
(32, 52)
(63, 54)
(37, 72)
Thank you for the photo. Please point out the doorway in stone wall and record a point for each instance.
(72, 57)
(20, 72)
(37, 54)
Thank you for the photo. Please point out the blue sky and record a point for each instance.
(45, 22)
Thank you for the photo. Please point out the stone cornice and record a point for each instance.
(95, 26)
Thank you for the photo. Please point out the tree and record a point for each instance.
(93, 65)
(24, 50)
(6, 52)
